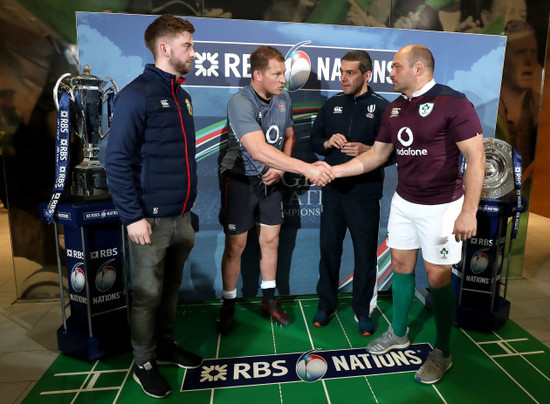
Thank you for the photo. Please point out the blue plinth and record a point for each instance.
(478, 278)
(95, 264)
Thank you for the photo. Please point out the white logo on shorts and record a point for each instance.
(232, 227)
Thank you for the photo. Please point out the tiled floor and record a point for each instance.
(28, 330)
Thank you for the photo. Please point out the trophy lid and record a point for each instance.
(86, 78)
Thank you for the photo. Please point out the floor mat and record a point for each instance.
(259, 362)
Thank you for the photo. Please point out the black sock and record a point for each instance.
(230, 303)
(268, 295)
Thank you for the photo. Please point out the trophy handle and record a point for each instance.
(56, 89)
(114, 84)
(111, 91)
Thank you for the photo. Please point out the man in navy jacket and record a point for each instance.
(345, 127)
(152, 176)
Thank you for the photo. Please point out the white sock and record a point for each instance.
(229, 294)
(268, 284)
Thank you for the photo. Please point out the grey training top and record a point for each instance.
(246, 113)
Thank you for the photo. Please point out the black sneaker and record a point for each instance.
(323, 317)
(151, 380)
(365, 326)
(224, 324)
(276, 312)
(174, 355)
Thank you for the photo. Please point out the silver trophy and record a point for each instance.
(499, 169)
(91, 101)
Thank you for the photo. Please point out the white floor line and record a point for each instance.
(217, 355)
(521, 354)
(85, 373)
(501, 368)
(90, 377)
(124, 381)
(503, 340)
(439, 394)
(326, 391)
(275, 351)
(47, 393)
(342, 327)
(351, 346)
(383, 315)
(273, 336)
(312, 346)
(211, 396)
(84, 382)
(305, 322)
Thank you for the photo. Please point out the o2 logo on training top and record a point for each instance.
(479, 261)
(105, 277)
(298, 67)
(78, 278)
(311, 367)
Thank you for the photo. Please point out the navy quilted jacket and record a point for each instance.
(150, 159)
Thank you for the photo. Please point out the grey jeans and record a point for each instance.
(156, 274)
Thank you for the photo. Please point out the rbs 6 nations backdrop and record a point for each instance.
(112, 45)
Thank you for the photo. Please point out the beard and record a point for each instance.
(180, 66)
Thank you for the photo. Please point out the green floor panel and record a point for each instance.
(196, 329)
(533, 384)
(350, 390)
(95, 397)
(202, 396)
(401, 388)
(114, 362)
(251, 334)
(111, 379)
(254, 394)
(505, 366)
(301, 392)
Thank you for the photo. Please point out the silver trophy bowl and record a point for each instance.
(499, 169)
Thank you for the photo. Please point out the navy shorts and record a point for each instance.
(247, 201)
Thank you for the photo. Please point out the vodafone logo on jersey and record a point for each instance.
(406, 138)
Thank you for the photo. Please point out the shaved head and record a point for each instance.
(419, 53)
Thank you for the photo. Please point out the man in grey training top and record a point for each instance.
(261, 139)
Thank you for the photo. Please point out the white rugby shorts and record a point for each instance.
(412, 226)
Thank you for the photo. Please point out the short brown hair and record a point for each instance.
(365, 62)
(259, 59)
(165, 25)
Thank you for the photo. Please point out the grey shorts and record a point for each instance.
(247, 201)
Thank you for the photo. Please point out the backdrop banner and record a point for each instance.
(112, 45)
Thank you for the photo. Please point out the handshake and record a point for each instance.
(320, 173)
